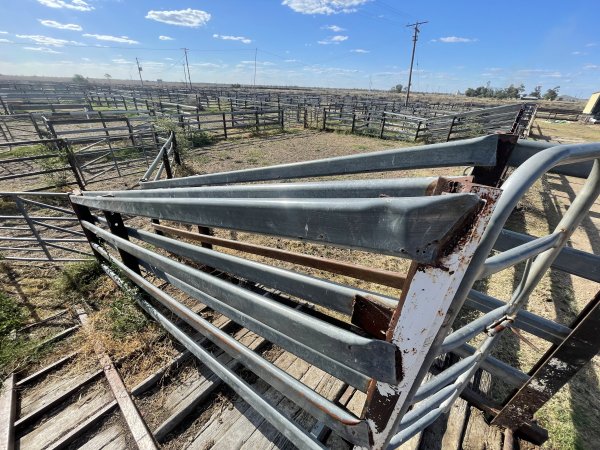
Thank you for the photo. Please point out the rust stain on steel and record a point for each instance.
(371, 316)
(449, 185)
(464, 229)
(138, 428)
(379, 276)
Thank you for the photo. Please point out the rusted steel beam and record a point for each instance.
(494, 175)
(555, 368)
(139, 429)
(417, 319)
(379, 276)
(8, 407)
(531, 432)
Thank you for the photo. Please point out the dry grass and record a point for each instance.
(563, 132)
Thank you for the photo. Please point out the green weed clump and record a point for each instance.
(125, 317)
(13, 349)
(79, 280)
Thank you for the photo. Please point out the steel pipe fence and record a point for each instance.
(374, 116)
(166, 157)
(40, 227)
(63, 162)
(344, 352)
(381, 217)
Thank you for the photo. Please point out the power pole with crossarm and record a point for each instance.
(412, 58)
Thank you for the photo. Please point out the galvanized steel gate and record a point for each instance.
(373, 342)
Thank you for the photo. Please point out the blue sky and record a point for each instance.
(330, 43)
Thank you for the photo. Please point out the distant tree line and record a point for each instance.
(511, 91)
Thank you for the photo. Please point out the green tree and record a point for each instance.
(537, 92)
(80, 79)
(552, 94)
(398, 88)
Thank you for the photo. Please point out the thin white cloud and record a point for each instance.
(360, 50)
(591, 44)
(333, 28)
(60, 26)
(121, 61)
(290, 60)
(3, 32)
(77, 5)
(206, 65)
(241, 39)
(46, 40)
(324, 6)
(578, 53)
(258, 63)
(454, 40)
(41, 49)
(184, 17)
(6, 41)
(86, 59)
(591, 67)
(333, 40)
(107, 37)
(166, 38)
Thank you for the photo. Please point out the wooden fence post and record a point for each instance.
(418, 130)
(450, 130)
(382, 130)
(224, 126)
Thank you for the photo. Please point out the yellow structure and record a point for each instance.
(593, 104)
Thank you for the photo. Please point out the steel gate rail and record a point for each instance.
(382, 346)
(40, 227)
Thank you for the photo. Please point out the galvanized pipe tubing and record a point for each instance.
(518, 254)
(513, 190)
(447, 376)
(340, 420)
(295, 434)
(335, 296)
(320, 337)
(525, 320)
(431, 410)
(158, 158)
(392, 226)
(479, 151)
(401, 187)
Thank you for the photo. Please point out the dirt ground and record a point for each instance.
(571, 417)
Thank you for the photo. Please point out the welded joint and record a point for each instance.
(500, 325)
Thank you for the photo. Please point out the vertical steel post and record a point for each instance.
(555, 368)
(32, 227)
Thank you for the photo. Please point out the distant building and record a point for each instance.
(593, 105)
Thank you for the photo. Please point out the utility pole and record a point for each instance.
(412, 58)
(185, 75)
(139, 71)
(188, 67)
(254, 79)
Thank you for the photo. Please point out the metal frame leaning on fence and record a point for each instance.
(435, 289)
